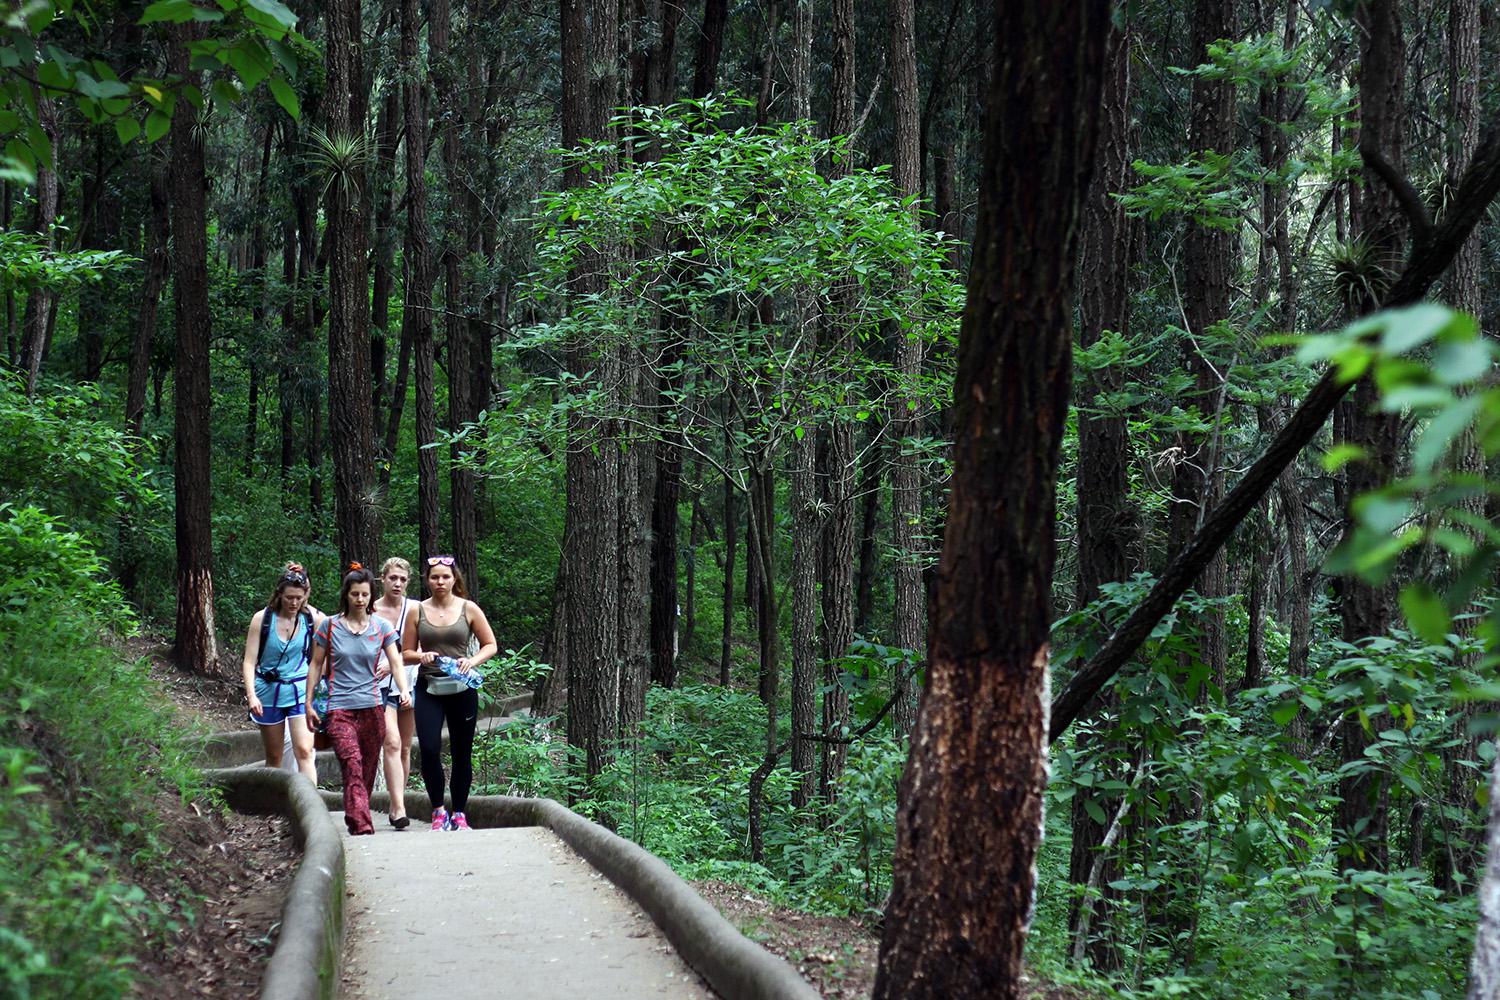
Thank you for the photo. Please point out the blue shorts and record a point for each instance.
(273, 716)
(391, 698)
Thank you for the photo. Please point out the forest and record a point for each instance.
(1024, 476)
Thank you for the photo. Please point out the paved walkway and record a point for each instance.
(507, 913)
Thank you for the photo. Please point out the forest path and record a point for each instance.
(498, 912)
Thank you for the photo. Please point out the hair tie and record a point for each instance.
(355, 566)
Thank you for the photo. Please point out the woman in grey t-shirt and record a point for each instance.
(353, 644)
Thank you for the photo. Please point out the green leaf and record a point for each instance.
(1341, 455)
(171, 11)
(127, 129)
(1456, 362)
(1442, 429)
(157, 125)
(286, 97)
(1284, 713)
(1093, 809)
(279, 12)
(1425, 612)
(1382, 514)
(1413, 326)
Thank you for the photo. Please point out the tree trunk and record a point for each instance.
(805, 546)
(592, 531)
(41, 303)
(460, 348)
(1108, 527)
(350, 392)
(157, 236)
(384, 252)
(1484, 966)
(416, 314)
(970, 819)
(731, 544)
(1365, 608)
(710, 47)
(1208, 260)
(869, 519)
(836, 462)
(1464, 291)
(195, 647)
(909, 626)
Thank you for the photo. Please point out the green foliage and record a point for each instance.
(89, 742)
(1230, 796)
(836, 860)
(740, 253)
(254, 40)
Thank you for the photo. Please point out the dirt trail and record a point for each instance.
(486, 913)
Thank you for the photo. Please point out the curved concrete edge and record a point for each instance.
(736, 967)
(305, 964)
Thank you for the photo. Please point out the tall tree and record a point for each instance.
(351, 413)
(461, 354)
(591, 534)
(836, 456)
(416, 314)
(1365, 608)
(1108, 527)
(906, 475)
(196, 647)
(41, 303)
(970, 818)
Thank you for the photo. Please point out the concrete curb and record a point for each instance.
(736, 967)
(310, 945)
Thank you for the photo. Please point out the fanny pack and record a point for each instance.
(445, 686)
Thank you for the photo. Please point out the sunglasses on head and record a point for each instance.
(294, 578)
(440, 560)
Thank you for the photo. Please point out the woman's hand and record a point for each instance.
(256, 708)
(426, 656)
(311, 715)
(382, 671)
(406, 699)
(464, 666)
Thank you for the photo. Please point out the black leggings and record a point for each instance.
(462, 714)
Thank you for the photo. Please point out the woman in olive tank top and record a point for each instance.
(443, 625)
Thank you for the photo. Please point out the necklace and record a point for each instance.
(362, 625)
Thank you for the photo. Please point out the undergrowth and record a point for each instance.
(87, 743)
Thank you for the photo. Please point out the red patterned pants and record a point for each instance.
(357, 735)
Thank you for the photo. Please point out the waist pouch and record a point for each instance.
(446, 686)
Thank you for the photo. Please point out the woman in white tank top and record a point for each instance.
(393, 605)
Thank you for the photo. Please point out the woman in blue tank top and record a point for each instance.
(277, 650)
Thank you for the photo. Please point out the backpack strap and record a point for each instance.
(266, 633)
(307, 638)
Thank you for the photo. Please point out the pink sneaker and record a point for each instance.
(458, 822)
(439, 819)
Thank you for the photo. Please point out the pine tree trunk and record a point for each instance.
(805, 546)
(1464, 291)
(196, 647)
(384, 252)
(592, 530)
(731, 546)
(157, 236)
(351, 414)
(416, 314)
(970, 819)
(910, 624)
(1108, 526)
(41, 303)
(869, 519)
(450, 251)
(1365, 609)
(836, 462)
